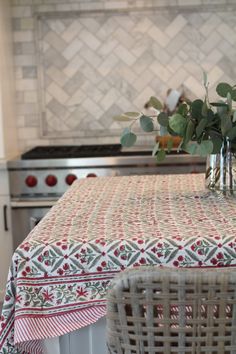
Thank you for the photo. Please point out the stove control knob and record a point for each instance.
(91, 175)
(70, 179)
(31, 181)
(51, 180)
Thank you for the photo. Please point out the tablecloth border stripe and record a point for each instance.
(42, 328)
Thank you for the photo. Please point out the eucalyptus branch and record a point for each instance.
(198, 123)
(134, 121)
(206, 85)
(150, 115)
(207, 95)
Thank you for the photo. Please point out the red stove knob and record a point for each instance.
(70, 179)
(31, 181)
(91, 175)
(51, 180)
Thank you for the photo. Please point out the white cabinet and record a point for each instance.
(5, 229)
(8, 136)
(8, 131)
(87, 340)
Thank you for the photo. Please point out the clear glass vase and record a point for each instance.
(221, 169)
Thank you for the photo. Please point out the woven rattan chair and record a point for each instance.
(164, 310)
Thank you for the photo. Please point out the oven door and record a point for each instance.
(25, 216)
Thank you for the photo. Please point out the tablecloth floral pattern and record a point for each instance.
(60, 274)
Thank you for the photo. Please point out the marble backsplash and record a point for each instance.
(78, 63)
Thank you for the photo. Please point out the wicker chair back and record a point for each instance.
(154, 309)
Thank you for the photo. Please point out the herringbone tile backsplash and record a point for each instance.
(75, 70)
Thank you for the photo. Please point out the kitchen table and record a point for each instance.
(60, 274)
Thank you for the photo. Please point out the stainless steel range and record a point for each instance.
(40, 176)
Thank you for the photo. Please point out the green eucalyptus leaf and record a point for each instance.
(171, 131)
(178, 124)
(189, 131)
(155, 149)
(226, 124)
(204, 148)
(146, 123)
(161, 155)
(163, 119)
(233, 94)
(229, 101)
(200, 127)
(191, 148)
(210, 116)
(128, 138)
(196, 109)
(132, 114)
(123, 118)
(223, 88)
(182, 109)
(170, 144)
(234, 116)
(232, 133)
(155, 103)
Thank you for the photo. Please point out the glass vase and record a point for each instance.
(221, 169)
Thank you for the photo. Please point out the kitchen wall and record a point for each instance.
(8, 135)
(78, 63)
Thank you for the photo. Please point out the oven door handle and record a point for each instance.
(33, 203)
(5, 218)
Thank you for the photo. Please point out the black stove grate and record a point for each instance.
(72, 151)
(83, 151)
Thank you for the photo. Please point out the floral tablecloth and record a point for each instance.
(60, 274)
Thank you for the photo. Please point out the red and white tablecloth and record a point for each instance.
(60, 274)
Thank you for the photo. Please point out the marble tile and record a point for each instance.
(176, 26)
(21, 11)
(23, 36)
(27, 24)
(26, 84)
(92, 64)
(24, 60)
(30, 96)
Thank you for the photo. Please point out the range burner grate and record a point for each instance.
(72, 151)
